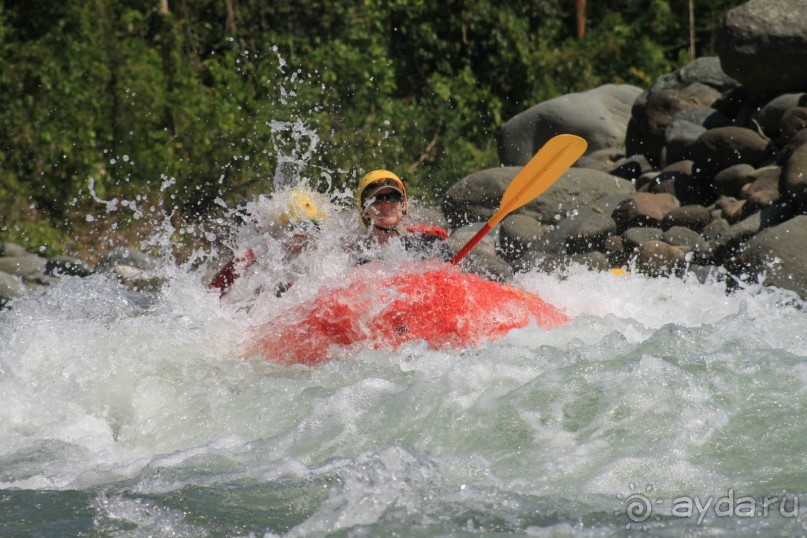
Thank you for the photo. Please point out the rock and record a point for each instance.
(125, 256)
(11, 287)
(643, 209)
(731, 242)
(430, 216)
(679, 236)
(602, 160)
(765, 178)
(137, 279)
(733, 210)
(715, 229)
(542, 261)
(694, 217)
(67, 265)
(631, 168)
(698, 84)
(793, 179)
(614, 249)
(657, 258)
(779, 252)
(29, 267)
(596, 261)
(686, 126)
(799, 139)
(483, 259)
(477, 196)
(770, 116)
(729, 181)
(719, 148)
(599, 115)
(793, 121)
(686, 188)
(684, 167)
(633, 237)
(516, 234)
(12, 250)
(576, 188)
(589, 234)
(763, 45)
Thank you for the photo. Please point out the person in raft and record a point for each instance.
(383, 209)
(294, 228)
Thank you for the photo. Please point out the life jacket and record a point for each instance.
(231, 271)
(427, 241)
(427, 232)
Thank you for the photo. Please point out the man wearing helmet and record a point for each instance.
(294, 228)
(383, 207)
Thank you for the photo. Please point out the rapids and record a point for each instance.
(666, 405)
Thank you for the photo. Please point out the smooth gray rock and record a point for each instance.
(763, 45)
(599, 115)
(780, 252)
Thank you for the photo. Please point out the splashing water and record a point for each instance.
(132, 420)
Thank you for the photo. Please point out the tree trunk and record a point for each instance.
(230, 16)
(580, 8)
(164, 7)
(692, 29)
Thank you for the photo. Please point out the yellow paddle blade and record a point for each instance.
(554, 158)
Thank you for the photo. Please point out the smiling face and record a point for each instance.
(385, 207)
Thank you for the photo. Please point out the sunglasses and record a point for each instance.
(388, 197)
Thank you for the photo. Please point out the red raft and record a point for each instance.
(444, 307)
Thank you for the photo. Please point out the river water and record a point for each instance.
(665, 408)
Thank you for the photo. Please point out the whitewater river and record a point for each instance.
(665, 408)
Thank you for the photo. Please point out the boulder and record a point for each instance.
(29, 267)
(589, 234)
(694, 217)
(719, 148)
(779, 252)
(793, 121)
(698, 84)
(517, 234)
(576, 188)
(730, 180)
(793, 180)
(125, 256)
(482, 259)
(11, 287)
(643, 209)
(769, 117)
(657, 258)
(763, 45)
(599, 115)
(476, 197)
(686, 126)
(678, 236)
(632, 238)
(9, 249)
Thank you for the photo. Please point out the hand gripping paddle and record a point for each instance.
(558, 154)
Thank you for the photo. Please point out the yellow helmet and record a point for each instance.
(301, 208)
(389, 179)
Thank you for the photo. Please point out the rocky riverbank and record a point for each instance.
(703, 172)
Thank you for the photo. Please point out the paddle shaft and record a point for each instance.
(483, 231)
(558, 154)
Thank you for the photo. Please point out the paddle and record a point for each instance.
(558, 154)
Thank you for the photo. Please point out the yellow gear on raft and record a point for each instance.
(301, 207)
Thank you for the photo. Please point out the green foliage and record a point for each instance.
(195, 105)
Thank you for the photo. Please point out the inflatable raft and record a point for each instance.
(443, 306)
